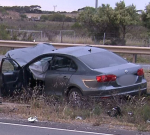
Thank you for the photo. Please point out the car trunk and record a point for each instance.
(126, 74)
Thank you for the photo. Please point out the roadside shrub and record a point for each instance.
(76, 25)
(23, 16)
(4, 35)
(57, 17)
(145, 112)
(97, 110)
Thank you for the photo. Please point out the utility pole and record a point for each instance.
(96, 4)
(54, 7)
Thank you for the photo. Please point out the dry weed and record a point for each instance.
(134, 111)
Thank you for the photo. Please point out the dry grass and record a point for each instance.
(147, 77)
(136, 42)
(3, 50)
(57, 109)
(88, 40)
(76, 40)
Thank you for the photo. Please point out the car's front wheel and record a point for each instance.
(75, 97)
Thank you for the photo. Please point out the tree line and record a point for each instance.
(106, 19)
(22, 9)
(96, 22)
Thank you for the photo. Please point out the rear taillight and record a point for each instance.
(106, 78)
(140, 72)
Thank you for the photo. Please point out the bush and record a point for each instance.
(4, 35)
(76, 25)
(23, 16)
(145, 112)
(57, 17)
(45, 17)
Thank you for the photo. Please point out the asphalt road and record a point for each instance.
(13, 127)
(17, 129)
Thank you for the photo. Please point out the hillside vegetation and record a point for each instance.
(122, 25)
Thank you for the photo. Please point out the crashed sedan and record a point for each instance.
(73, 72)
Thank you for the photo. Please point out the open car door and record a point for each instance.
(11, 75)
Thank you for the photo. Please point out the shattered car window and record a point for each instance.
(63, 64)
(9, 66)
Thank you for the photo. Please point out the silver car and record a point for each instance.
(76, 71)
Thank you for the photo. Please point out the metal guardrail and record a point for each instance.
(116, 49)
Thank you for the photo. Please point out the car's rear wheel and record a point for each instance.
(75, 97)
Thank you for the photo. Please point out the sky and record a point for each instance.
(71, 5)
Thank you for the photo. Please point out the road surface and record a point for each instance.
(18, 129)
(13, 127)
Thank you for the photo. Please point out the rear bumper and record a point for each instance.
(137, 89)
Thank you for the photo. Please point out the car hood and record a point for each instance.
(24, 55)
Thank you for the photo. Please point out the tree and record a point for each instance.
(125, 16)
(105, 19)
(23, 16)
(44, 17)
(146, 16)
(86, 18)
(99, 21)
(3, 11)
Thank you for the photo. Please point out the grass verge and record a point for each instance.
(133, 113)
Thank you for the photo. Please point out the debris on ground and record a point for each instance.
(130, 113)
(148, 121)
(79, 118)
(114, 112)
(32, 119)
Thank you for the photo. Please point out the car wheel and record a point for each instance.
(75, 97)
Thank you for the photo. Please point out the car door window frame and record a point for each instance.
(63, 68)
(15, 65)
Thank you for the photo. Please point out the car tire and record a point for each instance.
(75, 97)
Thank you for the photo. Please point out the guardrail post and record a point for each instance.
(60, 36)
(104, 39)
(134, 58)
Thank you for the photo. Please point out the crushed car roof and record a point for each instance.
(78, 51)
(24, 55)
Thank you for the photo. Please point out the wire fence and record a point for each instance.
(70, 36)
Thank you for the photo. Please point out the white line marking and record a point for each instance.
(58, 129)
